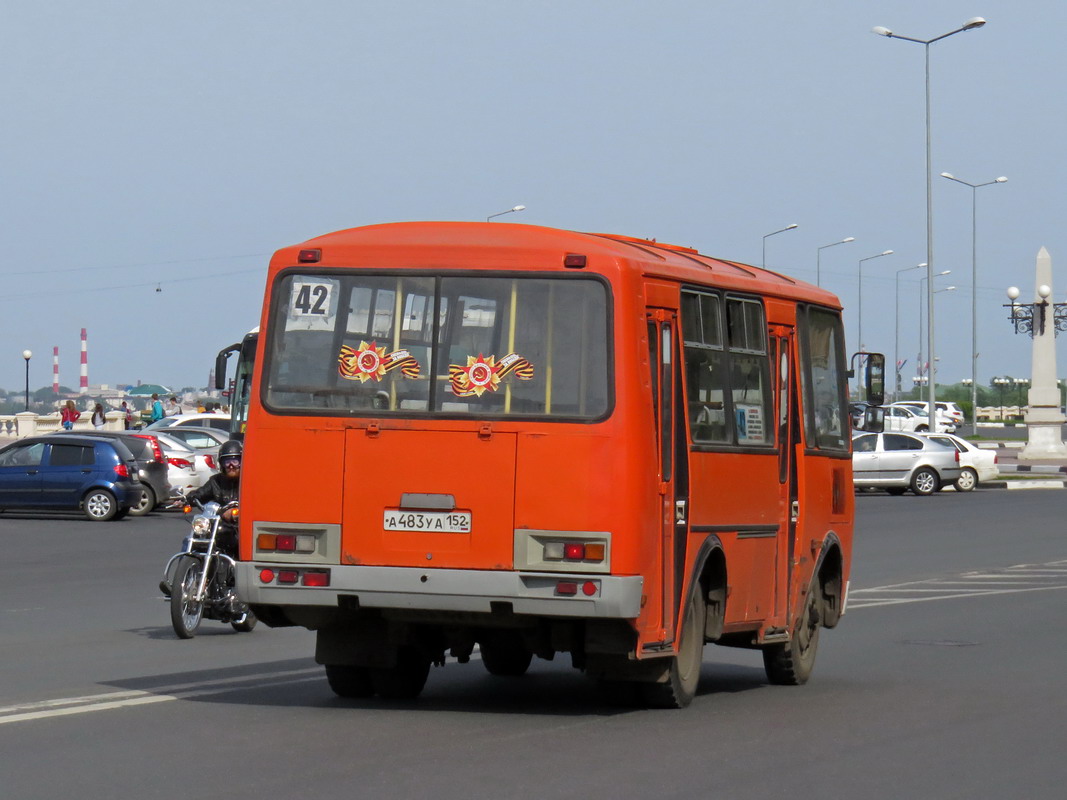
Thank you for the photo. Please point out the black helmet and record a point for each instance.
(231, 449)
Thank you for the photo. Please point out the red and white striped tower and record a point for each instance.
(83, 385)
(55, 369)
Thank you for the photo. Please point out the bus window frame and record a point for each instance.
(732, 446)
(807, 403)
(333, 273)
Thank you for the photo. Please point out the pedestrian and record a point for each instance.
(98, 417)
(127, 416)
(157, 408)
(173, 408)
(69, 415)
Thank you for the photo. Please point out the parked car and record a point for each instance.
(204, 439)
(976, 465)
(188, 468)
(94, 475)
(151, 469)
(897, 462)
(951, 413)
(911, 420)
(207, 420)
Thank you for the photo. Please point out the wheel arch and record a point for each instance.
(709, 573)
(830, 571)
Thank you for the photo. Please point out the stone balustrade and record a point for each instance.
(27, 423)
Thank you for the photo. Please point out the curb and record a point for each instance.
(1034, 484)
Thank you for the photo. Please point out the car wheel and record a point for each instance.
(967, 480)
(925, 481)
(145, 504)
(100, 505)
(922, 429)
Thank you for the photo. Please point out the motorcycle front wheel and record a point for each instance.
(185, 612)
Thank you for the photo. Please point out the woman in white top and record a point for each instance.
(98, 417)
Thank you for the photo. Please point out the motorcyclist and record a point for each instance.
(223, 488)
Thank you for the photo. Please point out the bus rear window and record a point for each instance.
(357, 343)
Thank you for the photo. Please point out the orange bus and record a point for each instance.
(518, 441)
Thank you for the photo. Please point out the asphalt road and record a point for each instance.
(945, 680)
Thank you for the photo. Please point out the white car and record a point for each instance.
(910, 420)
(187, 468)
(206, 420)
(976, 465)
(951, 413)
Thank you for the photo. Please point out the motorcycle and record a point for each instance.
(198, 580)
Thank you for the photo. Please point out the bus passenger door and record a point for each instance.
(672, 465)
(787, 439)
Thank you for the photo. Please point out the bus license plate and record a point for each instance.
(427, 521)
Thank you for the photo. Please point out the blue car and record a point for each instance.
(80, 473)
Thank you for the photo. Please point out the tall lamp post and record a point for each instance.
(26, 354)
(818, 257)
(772, 233)
(922, 295)
(974, 278)
(509, 211)
(859, 296)
(1000, 383)
(896, 332)
(969, 25)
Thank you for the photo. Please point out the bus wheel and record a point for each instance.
(504, 654)
(683, 674)
(405, 680)
(790, 664)
(348, 680)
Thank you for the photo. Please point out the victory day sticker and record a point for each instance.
(483, 374)
(371, 362)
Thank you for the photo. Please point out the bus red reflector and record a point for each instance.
(588, 588)
(316, 579)
(309, 256)
(568, 588)
(289, 576)
(574, 260)
(574, 551)
(266, 575)
(286, 542)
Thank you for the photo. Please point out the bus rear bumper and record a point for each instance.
(476, 591)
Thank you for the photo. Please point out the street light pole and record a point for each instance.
(772, 233)
(969, 25)
(859, 295)
(818, 257)
(896, 332)
(509, 211)
(974, 280)
(922, 295)
(26, 354)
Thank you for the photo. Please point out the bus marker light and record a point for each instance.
(594, 551)
(574, 551)
(574, 261)
(267, 541)
(289, 576)
(589, 588)
(568, 588)
(554, 550)
(309, 256)
(316, 579)
(266, 575)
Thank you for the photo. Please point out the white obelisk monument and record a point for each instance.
(1044, 420)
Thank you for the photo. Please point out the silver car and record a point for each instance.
(897, 462)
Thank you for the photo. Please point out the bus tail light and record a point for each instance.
(288, 576)
(575, 551)
(316, 578)
(285, 543)
(292, 577)
(567, 588)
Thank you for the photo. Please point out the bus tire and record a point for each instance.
(791, 663)
(406, 679)
(683, 675)
(348, 680)
(504, 654)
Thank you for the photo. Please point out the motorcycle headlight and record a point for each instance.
(201, 525)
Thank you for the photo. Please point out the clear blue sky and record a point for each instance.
(175, 146)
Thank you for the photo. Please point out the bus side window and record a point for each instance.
(704, 368)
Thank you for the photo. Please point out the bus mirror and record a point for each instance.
(874, 379)
(874, 419)
(220, 365)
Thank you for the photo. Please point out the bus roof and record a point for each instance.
(399, 244)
